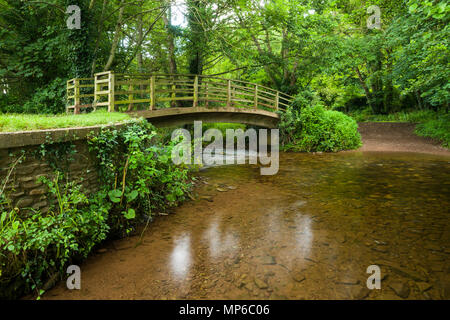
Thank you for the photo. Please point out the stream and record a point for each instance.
(308, 232)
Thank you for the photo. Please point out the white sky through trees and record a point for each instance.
(179, 11)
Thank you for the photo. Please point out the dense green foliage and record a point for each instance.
(33, 46)
(320, 50)
(137, 180)
(318, 129)
(422, 36)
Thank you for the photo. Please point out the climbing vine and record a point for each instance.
(58, 155)
(137, 174)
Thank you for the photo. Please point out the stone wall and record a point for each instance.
(22, 187)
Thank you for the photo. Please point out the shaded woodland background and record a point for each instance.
(320, 51)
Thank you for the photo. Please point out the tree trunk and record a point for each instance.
(364, 85)
(140, 40)
(388, 98)
(167, 18)
(116, 39)
(170, 42)
(419, 99)
(377, 85)
(197, 39)
(97, 43)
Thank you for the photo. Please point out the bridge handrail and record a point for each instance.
(203, 76)
(107, 89)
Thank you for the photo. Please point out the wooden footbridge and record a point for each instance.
(172, 100)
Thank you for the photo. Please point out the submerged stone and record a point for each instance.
(400, 288)
(260, 284)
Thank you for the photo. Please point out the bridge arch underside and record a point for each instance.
(173, 117)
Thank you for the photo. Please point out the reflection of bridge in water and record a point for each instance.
(171, 100)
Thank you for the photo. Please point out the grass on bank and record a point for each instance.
(415, 116)
(438, 129)
(11, 122)
(430, 123)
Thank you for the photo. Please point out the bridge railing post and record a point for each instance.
(228, 93)
(233, 96)
(76, 92)
(152, 92)
(96, 90)
(130, 93)
(195, 92)
(70, 94)
(255, 98)
(173, 95)
(277, 100)
(207, 94)
(111, 93)
(68, 84)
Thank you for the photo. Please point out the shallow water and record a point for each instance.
(309, 232)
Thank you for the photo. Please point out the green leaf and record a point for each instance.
(442, 5)
(3, 218)
(132, 195)
(413, 7)
(170, 197)
(438, 16)
(114, 195)
(131, 214)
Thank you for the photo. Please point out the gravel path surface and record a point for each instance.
(397, 137)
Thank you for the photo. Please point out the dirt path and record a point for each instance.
(397, 137)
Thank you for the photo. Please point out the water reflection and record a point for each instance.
(180, 259)
(225, 157)
(220, 242)
(304, 235)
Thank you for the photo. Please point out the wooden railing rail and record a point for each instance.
(129, 92)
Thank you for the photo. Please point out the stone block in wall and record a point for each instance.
(40, 205)
(25, 179)
(29, 169)
(17, 194)
(37, 192)
(24, 202)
